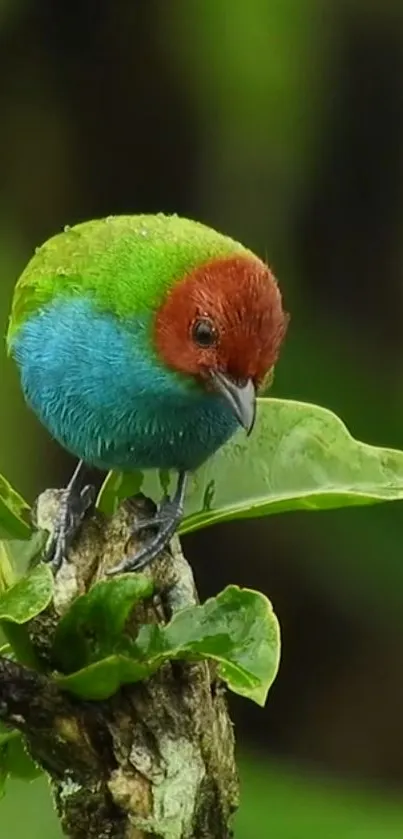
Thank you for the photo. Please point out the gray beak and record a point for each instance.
(241, 398)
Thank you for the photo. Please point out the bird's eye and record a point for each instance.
(204, 333)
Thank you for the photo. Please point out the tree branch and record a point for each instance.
(157, 759)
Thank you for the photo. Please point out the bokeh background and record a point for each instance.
(281, 123)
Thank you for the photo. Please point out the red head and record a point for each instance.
(224, 323)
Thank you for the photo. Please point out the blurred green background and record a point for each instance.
(281, 123)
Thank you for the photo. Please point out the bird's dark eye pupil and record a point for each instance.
(204, 333)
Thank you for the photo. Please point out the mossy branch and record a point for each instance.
(157, 758)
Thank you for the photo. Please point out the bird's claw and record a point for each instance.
(166, 512)
(165, 522)
(73, 509)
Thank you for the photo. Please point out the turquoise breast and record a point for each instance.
(93, 382)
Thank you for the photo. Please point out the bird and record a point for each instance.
(142, 342)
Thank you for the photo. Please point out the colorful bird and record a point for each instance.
(141, 343)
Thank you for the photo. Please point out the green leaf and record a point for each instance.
(95, 622)
(15, 762)
(19, 604)
(299, 457)
(20, 763)
(102, 679)
(13, 508)
(7, 734)
(16, 556)
(24, 552)
(20, 644)
(116, 487)
(28, 597)
(7, 571)
(238, 629)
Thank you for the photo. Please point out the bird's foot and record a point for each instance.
(74, 505)
(164, 522)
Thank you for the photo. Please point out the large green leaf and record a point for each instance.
(13, 510)
(16, 556)
(28, 597)
(23, 601)
(299, 457)
(95, 622)
(238, 629)
(15, 762)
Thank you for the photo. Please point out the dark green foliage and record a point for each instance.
(13, 508)
(15, 761)
(300, 457)
(237, 629)
(28, 597)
